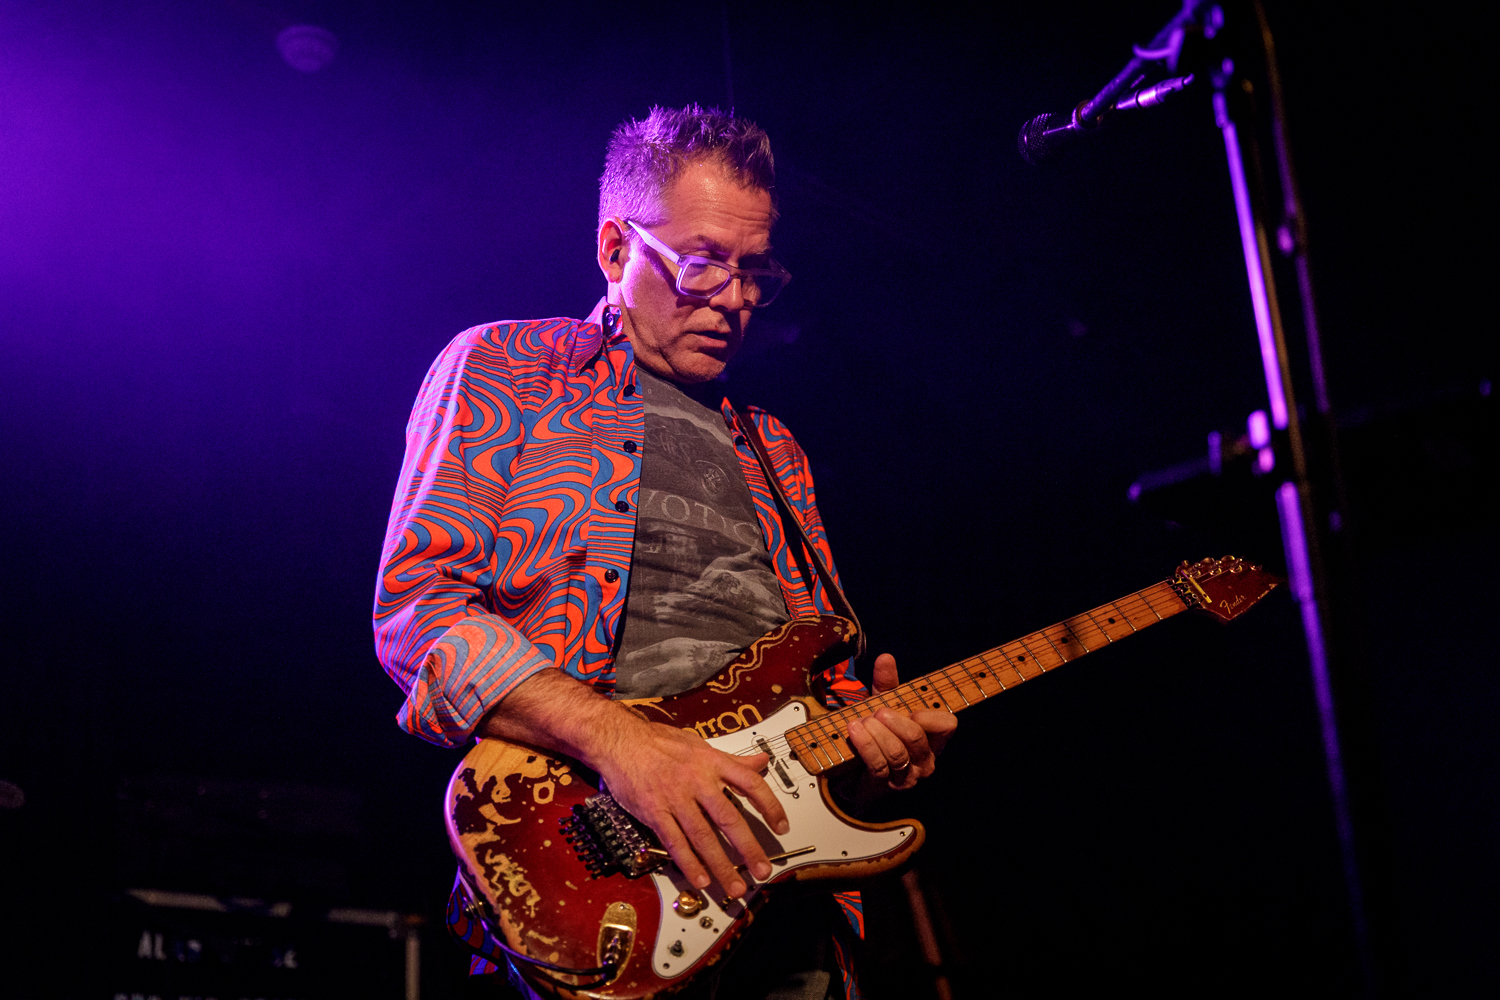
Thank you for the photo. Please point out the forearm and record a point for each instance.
(554, 711)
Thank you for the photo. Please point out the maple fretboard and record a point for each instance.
(822, 744)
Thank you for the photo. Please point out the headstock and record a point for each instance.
(1225, 588)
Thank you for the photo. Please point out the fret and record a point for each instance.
(1124, 616)
(991, 672)
(897, 694)
(1116, 606)
(987, 674)
(1019, 659)
(813, 747)
(929, 692)
(1040, 666)
(1164, 594)
(964, 666)
(1097, 627)
(950, 678)
(1062, 640)
(937, 692)
(1057, 652)
(1071, 629)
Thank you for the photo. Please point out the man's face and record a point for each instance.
(708, 212)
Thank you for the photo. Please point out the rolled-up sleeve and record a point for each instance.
(434, 632)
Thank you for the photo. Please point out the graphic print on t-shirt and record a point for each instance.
(701, 583)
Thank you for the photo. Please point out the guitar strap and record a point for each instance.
(791, 524)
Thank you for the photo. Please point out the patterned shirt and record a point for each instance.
(508, 548)
(509, 542)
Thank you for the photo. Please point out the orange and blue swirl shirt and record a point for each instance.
(508, 548)
(510, 534)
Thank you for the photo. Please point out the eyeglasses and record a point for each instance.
(701, 277)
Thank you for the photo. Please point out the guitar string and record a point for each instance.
(1136, 602)
(1127, 607)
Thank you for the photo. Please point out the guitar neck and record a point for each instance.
(822, 743)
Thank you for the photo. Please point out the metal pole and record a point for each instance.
(1299, 529)
(413, 958)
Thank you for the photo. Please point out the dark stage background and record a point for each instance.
(221, 281)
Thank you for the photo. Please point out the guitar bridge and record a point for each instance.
(608, 839)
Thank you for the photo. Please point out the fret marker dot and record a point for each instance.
(1111, 621)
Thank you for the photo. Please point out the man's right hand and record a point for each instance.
(667, 778)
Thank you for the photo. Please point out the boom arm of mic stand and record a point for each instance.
(1087, 114)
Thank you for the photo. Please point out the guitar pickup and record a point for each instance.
(776, 765)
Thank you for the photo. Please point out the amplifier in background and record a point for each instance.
(185, 946)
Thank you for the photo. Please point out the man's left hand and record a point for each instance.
(898, 748)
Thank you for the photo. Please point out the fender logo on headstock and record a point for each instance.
(1225, 588)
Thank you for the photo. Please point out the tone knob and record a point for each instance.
(687, 903)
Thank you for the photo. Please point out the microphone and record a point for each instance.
(1046, 135)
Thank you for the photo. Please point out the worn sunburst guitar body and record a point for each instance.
(583, 895)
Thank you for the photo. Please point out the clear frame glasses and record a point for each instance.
(700, 277)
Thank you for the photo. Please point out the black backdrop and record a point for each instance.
(224, 279)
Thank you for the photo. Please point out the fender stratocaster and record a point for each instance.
(589, 904)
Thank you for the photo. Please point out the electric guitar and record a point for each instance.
(586, 901)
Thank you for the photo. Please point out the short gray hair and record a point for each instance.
(645, 156)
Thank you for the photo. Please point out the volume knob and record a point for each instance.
(687, 903)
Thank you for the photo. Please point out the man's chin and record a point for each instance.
(703, 364)
(698, 369)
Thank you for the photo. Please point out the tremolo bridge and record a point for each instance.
(608, 839)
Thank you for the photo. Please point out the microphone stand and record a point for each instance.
(1311, 500)
(1164, 45)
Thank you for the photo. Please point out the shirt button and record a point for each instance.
(621, 506)
(611, 575)
(739, 439)
(630, 447)
(630, 390)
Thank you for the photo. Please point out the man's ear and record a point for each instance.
(614, 251)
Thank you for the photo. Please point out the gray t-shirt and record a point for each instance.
(701, 583)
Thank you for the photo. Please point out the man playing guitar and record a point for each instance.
(573, 528)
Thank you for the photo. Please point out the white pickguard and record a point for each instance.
(812, 825)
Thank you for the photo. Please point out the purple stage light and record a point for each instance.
(1250, 242)
(1299, 572)
(1258, 429)
(306, 47)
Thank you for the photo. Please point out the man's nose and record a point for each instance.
(731, 297)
